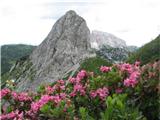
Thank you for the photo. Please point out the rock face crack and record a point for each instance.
(67, 44)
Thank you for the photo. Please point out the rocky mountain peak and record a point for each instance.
(67, 44)
(71, 13)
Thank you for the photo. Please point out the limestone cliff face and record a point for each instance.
(67, 44)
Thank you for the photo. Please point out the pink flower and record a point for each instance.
(126, 67)
(30, 113)
(105, 69)
(19, 115)
(14, 95)
(4, 92)
(44, 99)
(35, 106)
(9, 116)
(137, 63)
(63, 95)
(72, 80)
(62, 87)
(49, 89)
(82, 92)
(72, 94)
(82, 74)
(61, 82)
(119, 90)
(93, 94)
(102, 93)
(79, 88)
(21, 97)
(130, 82)
(134, 75)
(56, 99)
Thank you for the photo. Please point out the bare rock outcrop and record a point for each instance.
(67, 44)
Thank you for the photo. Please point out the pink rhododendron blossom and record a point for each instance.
(14, 115)
(82, 92)
(21, 97)
(79, 88)
(61, 82)
(56, 99)
(49, 89)
(35, 106)
(126, 67)
(101, 92)
(82, 74)
(119, 90)
(72, 94)
(44, 99)
(130, 82)
(62, 95)
(20, 116)
(93, 94)
(72, 80)
(137, 63)
(30, 113)
(105, 69)
(62, 87)
(11, 115)
(4, 92)
(134, 75)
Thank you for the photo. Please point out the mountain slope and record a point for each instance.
(11, 53)
(147, 53)
(114, 55)
(59, 54)
(108, 46)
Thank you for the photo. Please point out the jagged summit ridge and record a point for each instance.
(67, 44)
(99, 39)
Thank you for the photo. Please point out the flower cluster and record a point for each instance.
(105, 69)
(59, 86)
(4, 92)
(78, 88)
(67, 97)
(56, 99)
(102, 93)
(14, 115)
(134, 74)
(21, 97)
(82, 74)
(126, 67)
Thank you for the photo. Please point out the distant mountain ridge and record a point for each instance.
(99, 39)
(11, 53)
(147, 53)
(110, 47)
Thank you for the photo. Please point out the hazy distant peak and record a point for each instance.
(99, 38)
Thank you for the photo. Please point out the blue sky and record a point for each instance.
(29, 21)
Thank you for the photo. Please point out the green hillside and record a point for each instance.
(147, 53)
(11, 53)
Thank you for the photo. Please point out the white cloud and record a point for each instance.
(29, 21)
